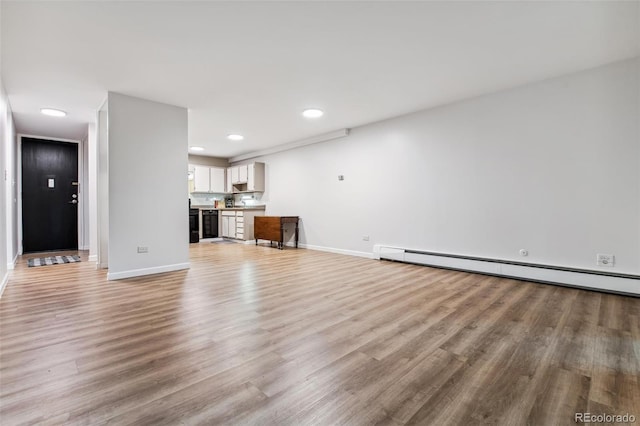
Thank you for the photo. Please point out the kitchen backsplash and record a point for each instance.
(248, 199)
(204, 199)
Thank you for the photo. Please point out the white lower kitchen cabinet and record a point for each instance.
(228, 224)
(238, 223)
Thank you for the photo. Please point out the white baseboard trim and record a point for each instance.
(4, 282)
(625, 284)
(93, 258)
(333, 250)
(12, 265)
(323, 248)
(147, 271)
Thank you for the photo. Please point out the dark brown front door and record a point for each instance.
(49, 195)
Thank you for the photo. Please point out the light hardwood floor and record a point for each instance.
(255, 335)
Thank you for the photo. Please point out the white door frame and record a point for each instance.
(82, 202)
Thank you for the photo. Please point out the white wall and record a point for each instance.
(3, 187)
(102, 164)
(13, 220)
(8, 213)
(92, 189)
(551, 167)
(3, 201)
(148, 203)
(83, 192)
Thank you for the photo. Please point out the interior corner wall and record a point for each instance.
(551, 167)
(148, 204)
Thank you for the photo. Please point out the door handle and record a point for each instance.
(73, 202)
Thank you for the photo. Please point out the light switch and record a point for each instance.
(51, 183)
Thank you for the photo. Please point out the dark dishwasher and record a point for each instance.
(209, 223)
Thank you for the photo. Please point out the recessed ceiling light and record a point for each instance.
(196, 148)
(53, 112)
(235, 137)
(312, 113)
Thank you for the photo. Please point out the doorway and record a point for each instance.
(49, 195)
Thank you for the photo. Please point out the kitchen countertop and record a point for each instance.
(229, 208)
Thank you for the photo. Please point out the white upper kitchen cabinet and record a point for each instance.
(255, 177)
(229, 186)
(242, 174)
(235, 175)
(239, 174)
(208, 179)
(246, 178)
(201, 181)
(190, 177)
(216, 180)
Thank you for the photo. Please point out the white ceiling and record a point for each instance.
(252, 67)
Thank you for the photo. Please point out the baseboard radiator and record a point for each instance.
(582, 278)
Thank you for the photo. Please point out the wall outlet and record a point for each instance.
(365, 238)
(524, 252)
(143, 249)
(605, 259)
(340, 177)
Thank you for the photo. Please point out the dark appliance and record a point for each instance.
(194, 225)
(209, 223)
(228, 202)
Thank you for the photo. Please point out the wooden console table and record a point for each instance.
(272, 228)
